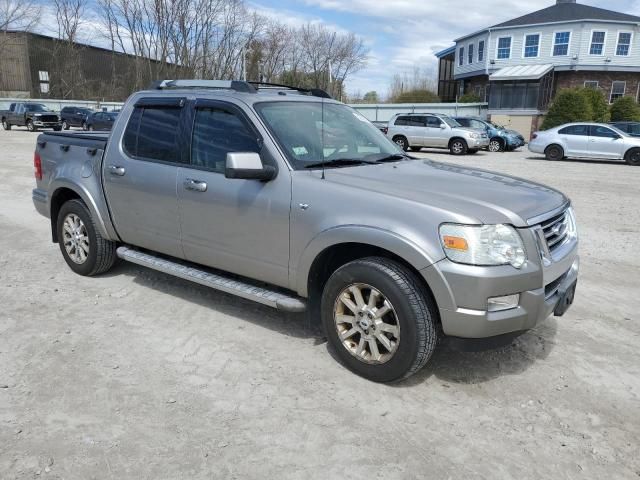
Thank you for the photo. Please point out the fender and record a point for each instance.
(98, 208)
(404, 248)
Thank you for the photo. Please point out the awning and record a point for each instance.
(520, 72)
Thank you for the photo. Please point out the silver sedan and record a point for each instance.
(586, 140)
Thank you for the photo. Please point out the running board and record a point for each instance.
(271, 298)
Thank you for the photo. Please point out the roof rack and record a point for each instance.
(236, 85)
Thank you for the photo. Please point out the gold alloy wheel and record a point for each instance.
(366, 323)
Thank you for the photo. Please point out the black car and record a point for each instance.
(74, 116)
(101, 121)
(632, 128)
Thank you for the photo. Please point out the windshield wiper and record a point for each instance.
(394, 157)
(340, 162)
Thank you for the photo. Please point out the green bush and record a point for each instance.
(470, 98)
(625, 109)
(417, 96)
(569, 105)
(599, 104)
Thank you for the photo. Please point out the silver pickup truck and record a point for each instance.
(288, 198)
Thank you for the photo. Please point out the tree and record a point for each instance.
(569, 105)
(625, 109)
(599, 104)
(470, 98)
(417, 96)
(371, 97)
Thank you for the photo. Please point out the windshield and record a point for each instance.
(35, 107)
(499, 127)
(450, 121)
(315, 132)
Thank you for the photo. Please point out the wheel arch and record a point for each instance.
(64, 191)
(628, 151)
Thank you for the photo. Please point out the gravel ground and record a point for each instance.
(137, 375)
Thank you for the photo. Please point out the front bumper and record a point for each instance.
(38, 123)
(461, 292)
(478, 142)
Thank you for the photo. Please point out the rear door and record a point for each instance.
(605, 143)
(140, 175)
(575, 140)
(240, 226)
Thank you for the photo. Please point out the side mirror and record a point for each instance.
(248, 166)
(443, 126)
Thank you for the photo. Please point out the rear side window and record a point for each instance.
(153, 133)
(216, 132)
(403, 121)
(582, 130)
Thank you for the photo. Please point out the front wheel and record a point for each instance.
(65, 125)
(84, 249)
(458, 147)
(30, 126)
(379, 319)
(633, 157)
(402, 142)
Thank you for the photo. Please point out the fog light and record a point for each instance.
(496, 304)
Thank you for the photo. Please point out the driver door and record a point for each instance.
(605, 143)
(239, 226)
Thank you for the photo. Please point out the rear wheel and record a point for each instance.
(496, 145)
(633, 157)
(554, 152)
(458, 147)
(402, 142)
(379, 319)
(6, 125)
(83, 248)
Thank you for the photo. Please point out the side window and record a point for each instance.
(581, 130)
(417, 121)
(216, 132)
(402, 121)
(603, 132)
(152, 133)
(462, 121)
(433, 122)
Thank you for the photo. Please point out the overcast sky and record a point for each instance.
(400, 34)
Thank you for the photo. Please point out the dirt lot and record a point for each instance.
(137, 375)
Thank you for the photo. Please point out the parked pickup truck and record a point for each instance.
(291, 199)
(30, 115)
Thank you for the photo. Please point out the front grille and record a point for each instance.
(48, 118)
(556, 230)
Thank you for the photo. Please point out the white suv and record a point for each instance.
(412, 131)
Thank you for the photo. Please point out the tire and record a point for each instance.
(415, 149)
(633, 157)
(554, 152)
(101, 254)
(84, 126)
(6, 125)
(31, 127)
(402, 142)
(65, 125)
(458, 146)
(496, 145)
(412, 314)
(91, 129)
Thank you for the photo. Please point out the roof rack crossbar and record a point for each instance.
(236, 85)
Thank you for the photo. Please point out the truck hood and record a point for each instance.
(476, 194)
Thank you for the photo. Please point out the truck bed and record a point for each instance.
(97, 140)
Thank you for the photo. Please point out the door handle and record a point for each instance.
(195, 185)
(115, 170)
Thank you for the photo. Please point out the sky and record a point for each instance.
(404, 34)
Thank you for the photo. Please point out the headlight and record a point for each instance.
(475, 135)
(483, 244)
(572, 226)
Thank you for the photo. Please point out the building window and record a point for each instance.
(470, 53)
(44, 87)
(591, 84)
(481, 50)
(561, 44)
(624, 44)
(461, 56)
(597, 43)
(617, 90)
(43, 76)
(504, 47)
(531, 45)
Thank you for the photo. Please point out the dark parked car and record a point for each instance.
(632, 128)
(101, 121)
(30, 115)
(500, 139)
(74, 116)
